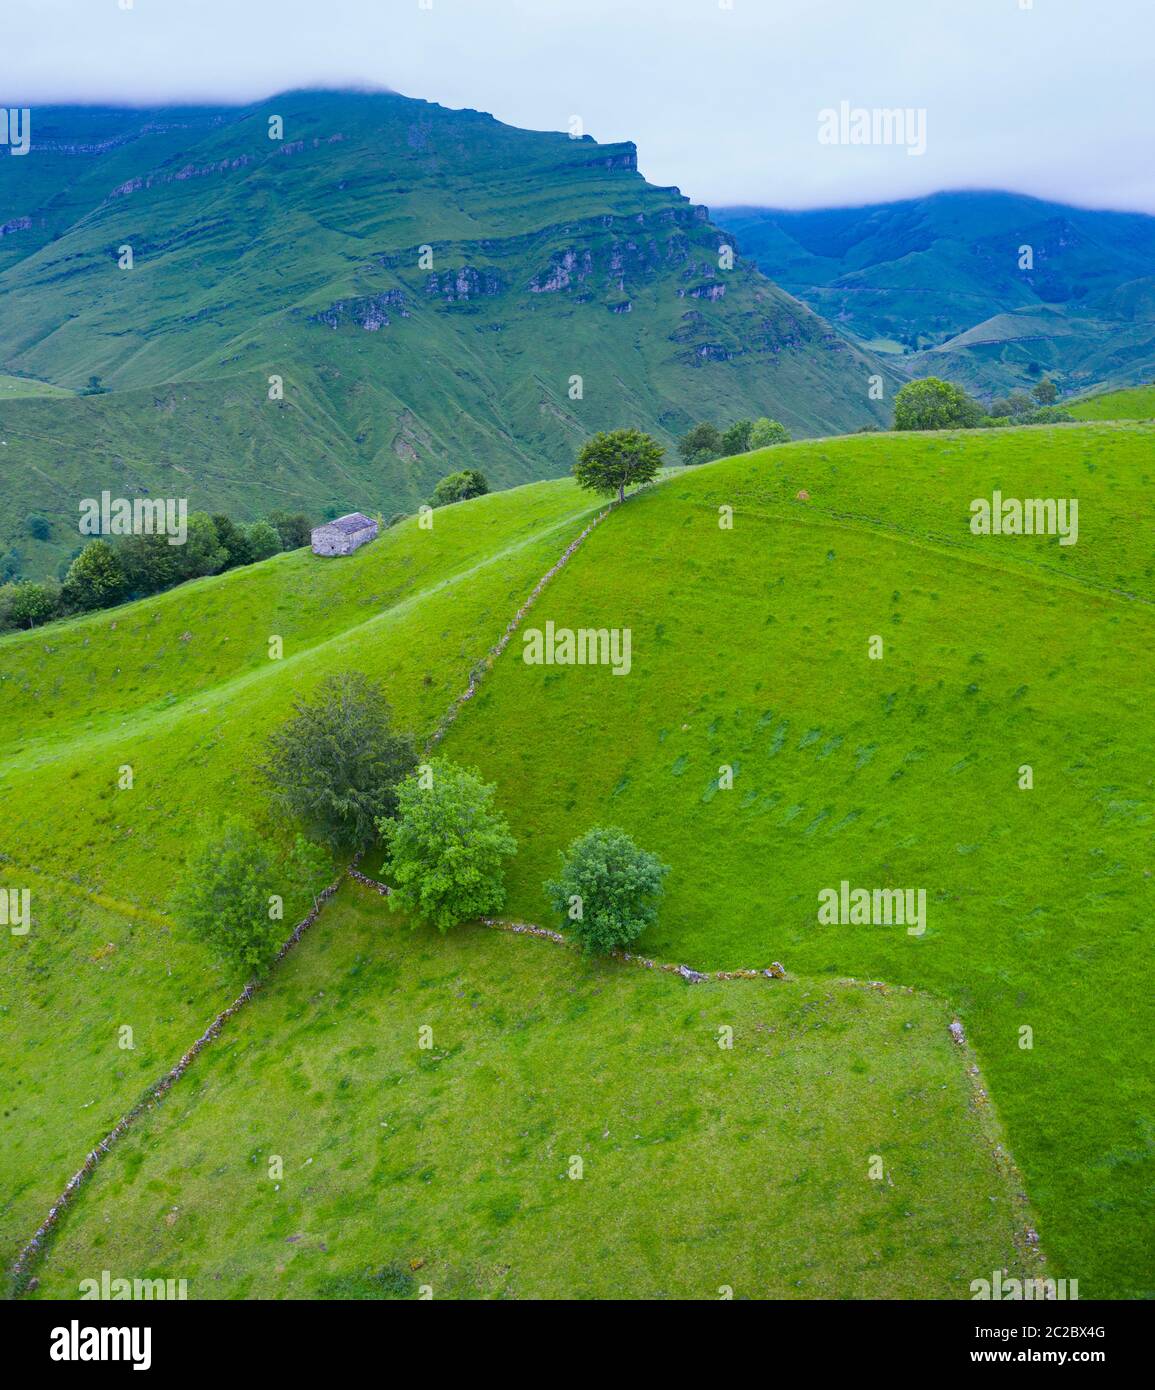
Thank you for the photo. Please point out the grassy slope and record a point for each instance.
(702, 1167)
(418, 605)
(1135, 404)
(750, 649)
(417, 609)
(12, 387)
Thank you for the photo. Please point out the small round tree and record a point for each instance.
(933, 404)
(447, 846)
(608, 891)
(225, 900)
(765, 432)
(701, 444)
(611, 461)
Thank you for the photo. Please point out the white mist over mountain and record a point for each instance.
(724, 97)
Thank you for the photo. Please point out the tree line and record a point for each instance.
(108, 572)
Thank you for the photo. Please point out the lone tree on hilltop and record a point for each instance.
(611, 461)
(336, 765)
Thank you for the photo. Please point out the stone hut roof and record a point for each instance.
(350, 524)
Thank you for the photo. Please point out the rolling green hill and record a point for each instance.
(1137, 403)
(181, 687)
(429, 285)
(938, 279)
(749, 651)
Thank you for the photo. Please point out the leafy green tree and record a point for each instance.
(149, 564)
(1046, 392)
(608, 891)
(336, 765)
(226, 900)
(447, 846)
(613, 460)
(264, 540)
(736, 440)
(933, 404)
(309, 864)
(95, 578)
(766, 432)
(701, 444)
(27, 604)
(459, 487)
(202, 552)
(294, 528)
(234, 541)
(37, 526)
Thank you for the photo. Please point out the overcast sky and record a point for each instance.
(1051, 97)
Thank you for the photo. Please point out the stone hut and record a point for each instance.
(343, 536)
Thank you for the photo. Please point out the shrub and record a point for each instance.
(933, 404)
(459, 487)
(447, 846)
(701, 444)
(37, 526)
(608, 891)
(764, 433)
(337, 764)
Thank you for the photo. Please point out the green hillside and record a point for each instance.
(1138, 403)
(939, 281)
(702, 1169)
(548, 260)
(749, 651)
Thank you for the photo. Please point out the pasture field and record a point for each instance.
(1135, 403)
(120, 688)
(750, 651)
(701, 1167)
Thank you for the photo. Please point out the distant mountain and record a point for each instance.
(435, 290)
(939, 279)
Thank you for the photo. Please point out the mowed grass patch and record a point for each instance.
(701, 1167)
(750, 652)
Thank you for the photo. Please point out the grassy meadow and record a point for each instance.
(87, 697)
(750, 651)
(1136, 403)
(703, 1167)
